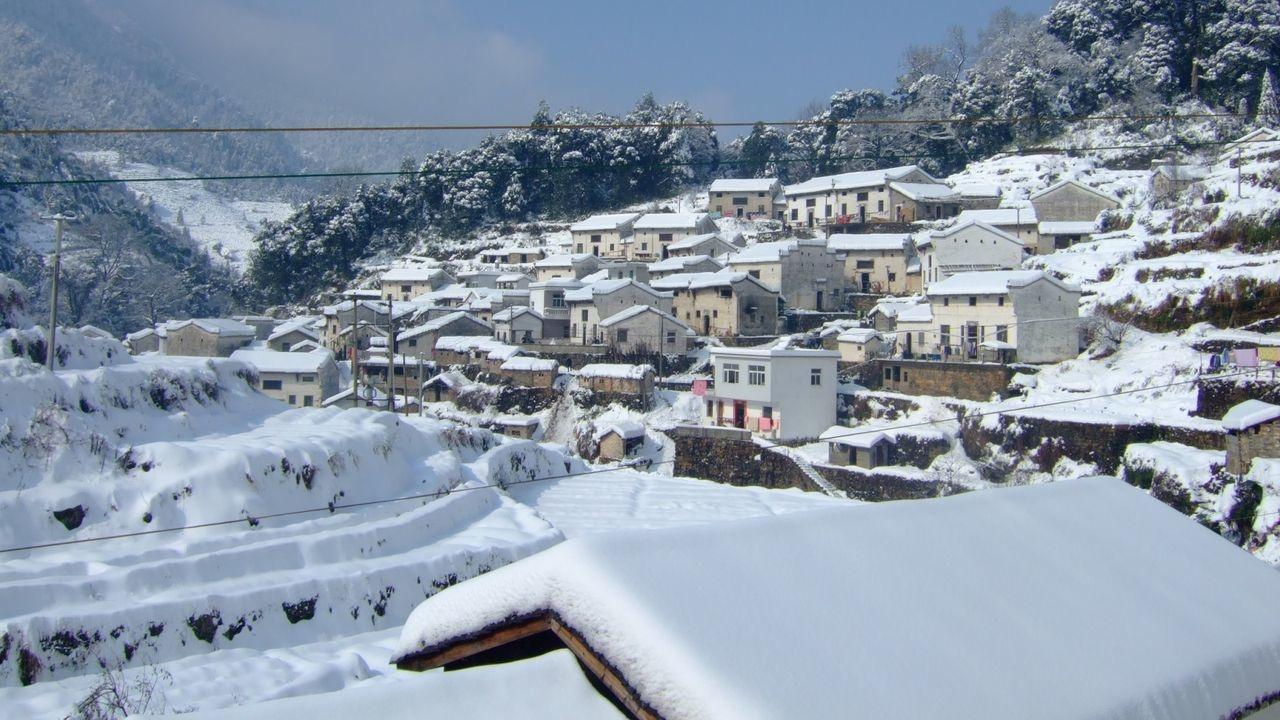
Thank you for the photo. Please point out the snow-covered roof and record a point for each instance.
(925, 191)
(604, 287)
(1067, 227)
(466, 343)
(516, 420)
(615, 370)
(699, 280)
(512, 277)
(870, 241)
(440, 322)
(772, 251)
(672, 221)
(769, 351)
(850, 180)
(996, 345)
(412, 274)
(696, 240)
(564, 261)
(625, 429)
(305, 346)
(557, 282)
(680, 262)
(610, 221)
(1182, 172)
(272, 361)
(214, 326)
(143, 333)
(992, 282)
(928, 238)
(743, 184)
(450, 379)
(891, 306)
(1249, 413)
(979, 190)
(1021, 602)
(918, 313)
(1080, 185)
(1017, 216)
(530, 364)
(299, 325)
(854, 437)
(858, 335)
(515, 311)
(636, 310)
(503, 352)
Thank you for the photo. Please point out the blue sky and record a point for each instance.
(488, 61)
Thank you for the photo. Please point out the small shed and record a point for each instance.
(866, 449)
(531, 371)
(618, 439)
(516, 426)
(618, 378)
(1253, 431)
(444, 387)
(857, 345)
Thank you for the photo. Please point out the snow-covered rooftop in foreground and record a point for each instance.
(1249, 413)
(1076, 599)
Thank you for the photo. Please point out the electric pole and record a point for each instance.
(391, 356)
(51, 336)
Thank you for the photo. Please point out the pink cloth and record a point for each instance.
(766, 423)
(699, 387)
(1245, 357)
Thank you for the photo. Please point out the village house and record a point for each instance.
(621, 270)
(1071, 201)
(884, 315)
(1170, 180)
(407, 371)
(876, 262)
(755, 198)
(570, 267)
(602, 235)
(1253, 431)
(616, 379)
(1019, 222)
(527, 371)
(979, 196)
(206, 337)
(914, 332)
(262, 325)
(858, 345)
(518, 324)
(809, 277)
(592, 303)
(300, 379)
(723, 303)
(481, 279)
(304, 346)
(1252, 140)
(349, 319)
(547, 298)
(420, 341)
(514, 281)
(641, 328)
(512, 255)
(523, 427)
(866, 196)
(836, 613)
(1061, 234)
(858, 448)
(710, 244)
(444, 387)
(683, 264)
(1027, 311)
(405, 283)
(778, 393)
(973, 246)
(617, 440)
(465, 350)
(146, 340)
(288, 334)
(654, 233)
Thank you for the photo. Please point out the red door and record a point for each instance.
(739, 413)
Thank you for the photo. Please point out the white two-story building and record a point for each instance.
(778, 393)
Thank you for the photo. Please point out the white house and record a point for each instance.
(406, 283)
(592, 303)
(302, 379)
(572, 266)
(808, 276)
(654, 233)
(779, 393)
(1027, 311)
(723, 303)
(866, 196)
(547, 298)
(876, 262)
(858, 345)
(1020, 222)
(756, 198)
(642, 328)
(710, 244)
(1071, 200)
(518, 325)
(683, 264)
(603, 234)
(969, 247)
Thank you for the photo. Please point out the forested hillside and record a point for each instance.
(1020, 83)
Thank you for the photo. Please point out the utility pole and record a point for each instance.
(52, 335)
(391, 355)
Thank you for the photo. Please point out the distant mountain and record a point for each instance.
(84, 63)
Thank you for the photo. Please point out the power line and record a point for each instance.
(618, 125)
(594, 166)
(253, 520)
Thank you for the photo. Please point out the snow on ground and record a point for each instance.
(223, 227)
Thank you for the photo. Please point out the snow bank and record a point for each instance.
(1079, 599)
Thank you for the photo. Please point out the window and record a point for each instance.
(307, 401)
(893, 276)
(888, 374)
(946, 302)
(767, 412)
(862, 197)
(754, 273)
(1000, 301)
(809, 203)
(671, 337)
(308, 378)
(595, 238)
(740, 201)
(413, 342)
(644, 246)
(920, 338)
(866, 264)
(584, 314)
(972, 301)
(272, 385)
(944, 335)
(827, 208)
(665, 237)
(406, 288)
(815, 376)
(730, 374)
(755, 375)
(284, 347)
(622, 335)
(880, 205)
(759, 194)
(293, 399)
(1002, 333)
(557, 301)
(795, 214)
(710, 408)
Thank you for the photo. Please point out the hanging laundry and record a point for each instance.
(1246, 357)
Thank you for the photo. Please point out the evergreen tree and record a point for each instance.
(1269, 100)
